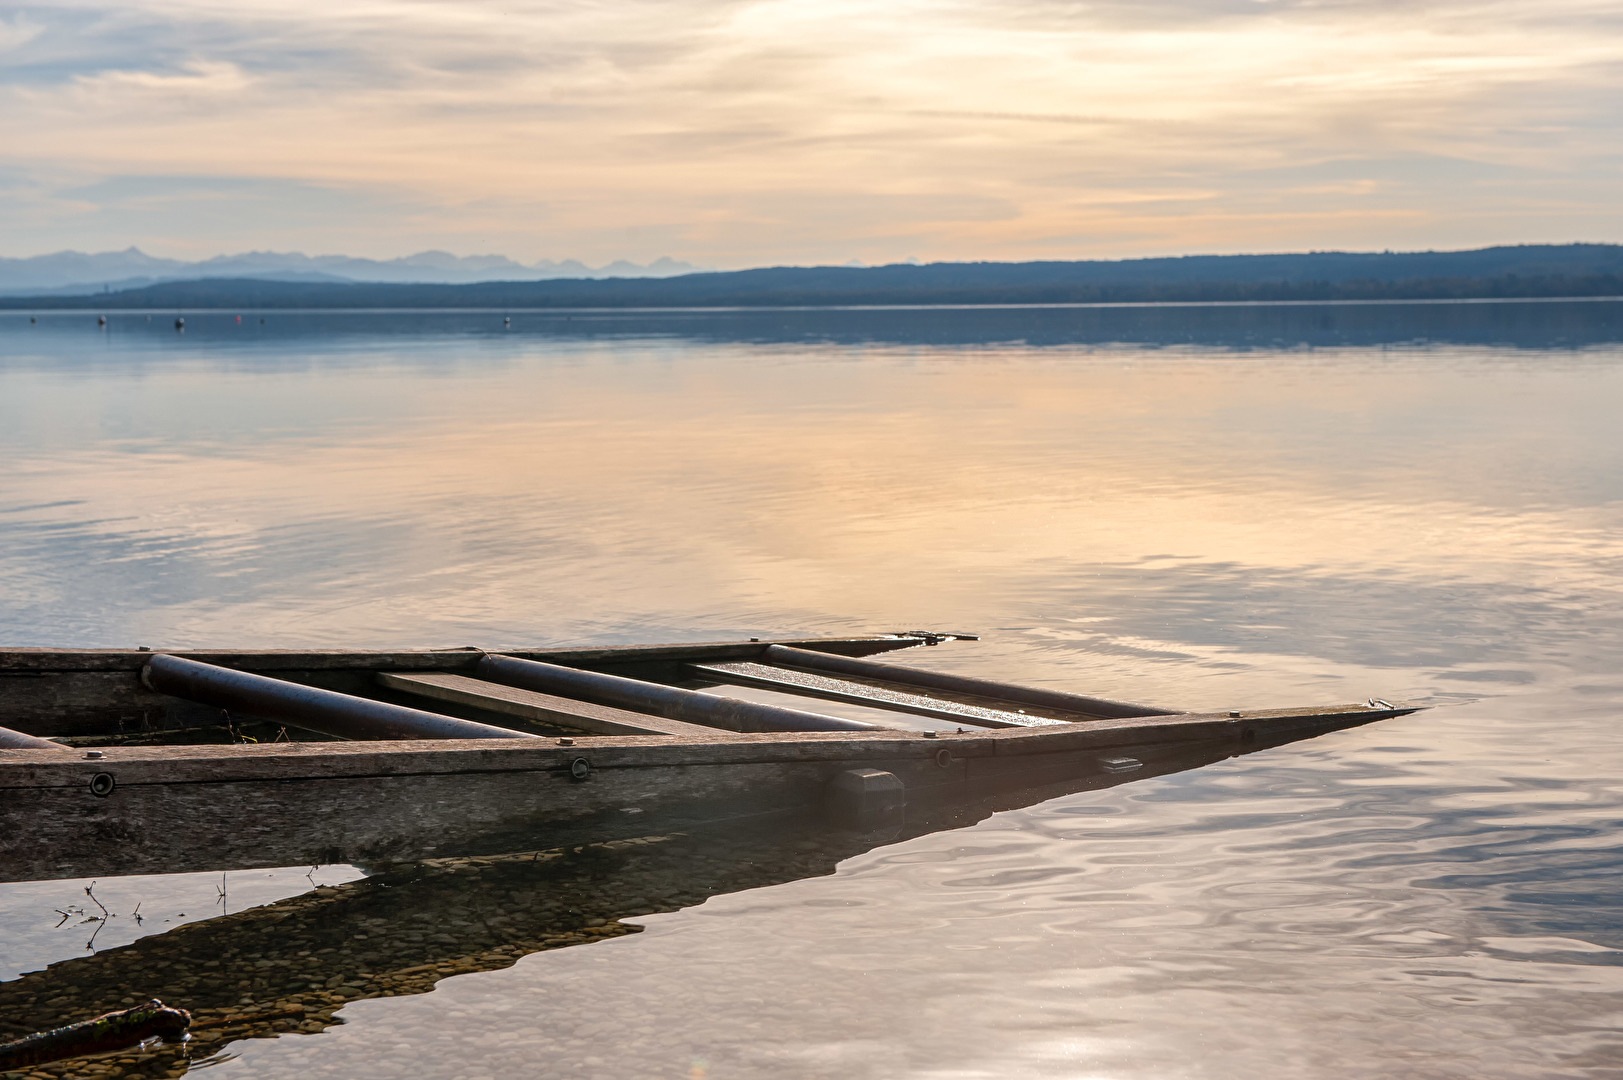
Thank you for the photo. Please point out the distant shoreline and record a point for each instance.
(1529, 272)
(8, 307)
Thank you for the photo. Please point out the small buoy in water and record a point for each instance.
(239, 318)
(30, 320)
(101, 320)
(507, 321)
(180, 323)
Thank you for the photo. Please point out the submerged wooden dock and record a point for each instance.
(134, 761)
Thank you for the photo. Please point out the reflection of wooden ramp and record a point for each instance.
(273, 758)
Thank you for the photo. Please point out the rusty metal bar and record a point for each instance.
(671, 702)
(1100, 708)
(308, 707)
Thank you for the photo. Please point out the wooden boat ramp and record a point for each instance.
(135, 761)
(295, 964)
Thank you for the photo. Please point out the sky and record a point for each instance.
(734, 133)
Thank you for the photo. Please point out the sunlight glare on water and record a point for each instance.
(1205, 514)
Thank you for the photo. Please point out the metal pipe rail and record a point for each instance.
(310, 708)
(17, 740)
(1100, 708)
(671, 702)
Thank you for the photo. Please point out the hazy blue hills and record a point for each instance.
(1522, 271)
(75, 272)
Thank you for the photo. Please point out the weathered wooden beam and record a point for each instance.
(308, 707)
(668, 701)
(1080, 704)
(536, 706)
(61, 767)
(109, 1031)
(629, 654)
(278, 804)
(90, 692)
(813, 684)
(36, 660)
(22, 662)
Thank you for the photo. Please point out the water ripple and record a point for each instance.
(1224, 523)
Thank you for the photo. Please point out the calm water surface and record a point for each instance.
(1220, 508)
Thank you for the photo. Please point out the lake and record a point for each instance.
(1205, 507)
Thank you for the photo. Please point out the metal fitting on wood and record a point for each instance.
(860, 795)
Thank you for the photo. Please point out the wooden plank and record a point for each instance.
(67, 831)
(871, 693)
(160, 765)
(28, 661)
(1075, 706)
(468, 759)
(536, 706)
(55, 703)
(279, 804)
(616, 654)
(24, 662)
(86, 692)
(1245, 727)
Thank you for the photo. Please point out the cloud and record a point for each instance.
(17, 32)
(195, 79)
(704, 124)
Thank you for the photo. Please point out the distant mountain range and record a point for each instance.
(1532, 270)
(75, 272)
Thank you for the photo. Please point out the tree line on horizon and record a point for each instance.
(1529, 271)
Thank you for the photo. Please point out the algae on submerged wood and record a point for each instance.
(109, 1031)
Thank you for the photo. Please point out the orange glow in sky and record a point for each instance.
(736, 133)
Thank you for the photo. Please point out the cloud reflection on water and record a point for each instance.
(1194, 525)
